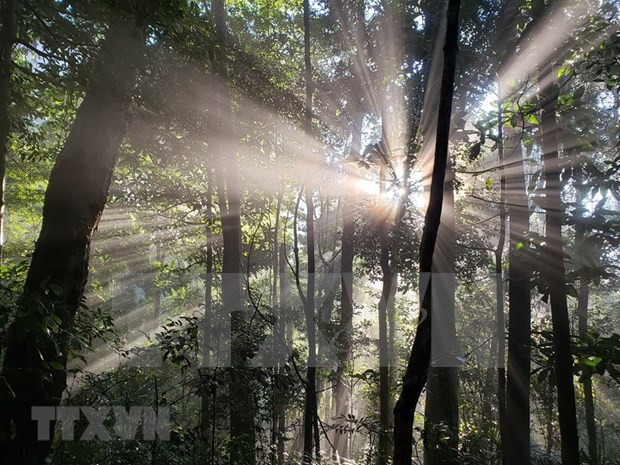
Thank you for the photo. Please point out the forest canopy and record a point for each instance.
(309, 232)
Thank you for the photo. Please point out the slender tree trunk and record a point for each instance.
(441, 420)
(342, 393)
(282, 328)
(582, 313)
(514, 396)
(277, 332)
(516, 428)
(310, 409)
(588, 391)
(417, 367)
(159, 256)
(555, 273)
(34, 369)
(499, 281)
(205, 396)
(7, 37)
(242, 431)
(386, 292)
(550, 417)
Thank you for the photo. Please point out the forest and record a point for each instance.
(356, 232)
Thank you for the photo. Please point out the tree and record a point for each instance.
(242, 431)
(310, 409)
(7, 38)
(417, 367)
(515, 423)
(35, 362)
(441, 408)
(582, 314)
(555, 274)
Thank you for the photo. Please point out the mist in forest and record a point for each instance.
(309, 232)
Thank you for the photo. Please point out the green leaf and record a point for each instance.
(564, 71)
(488, 183)
(590, 361)
(57, 366)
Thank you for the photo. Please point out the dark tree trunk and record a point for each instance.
(310, 408)
(159, 254)
(277, 332)
(514, 399)
(284, 337)
(205, 396)
(74, 201)
(352, 18)
(417, 367)
(441, 420)
(516, 429)
(499, 282)
(588, 391)
(554, 268)
(582, 314)
(386, 292)
(7, 37)
(242, 430)
(342, 394)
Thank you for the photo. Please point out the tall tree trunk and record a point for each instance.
(417, 367)
(499, 280)
(74, 201)
(425, 95)
(588, 391)
(514, 410)
(386, 292)
(352, 19)
(582, 314)
(284, 337)
(242, 431)
(7, 38)
(441, 419)
(310, 408)
(516, 432)
(159, 256)
(342, 392)
(554, 268)
(205, 395)
(277, 332)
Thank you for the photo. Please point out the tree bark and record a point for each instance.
(242, 430)
(386, 292)
(310, 407)
(554, 268)
(441, 419)
(516, 448)
(514, 399)
(7, 38)
(499, 280)
(282, 328)
(74, 201)
(342, 392)
(417, 367)
(582, 314)
(205, 397)
(159, 254)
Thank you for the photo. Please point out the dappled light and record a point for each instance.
(309, 232)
